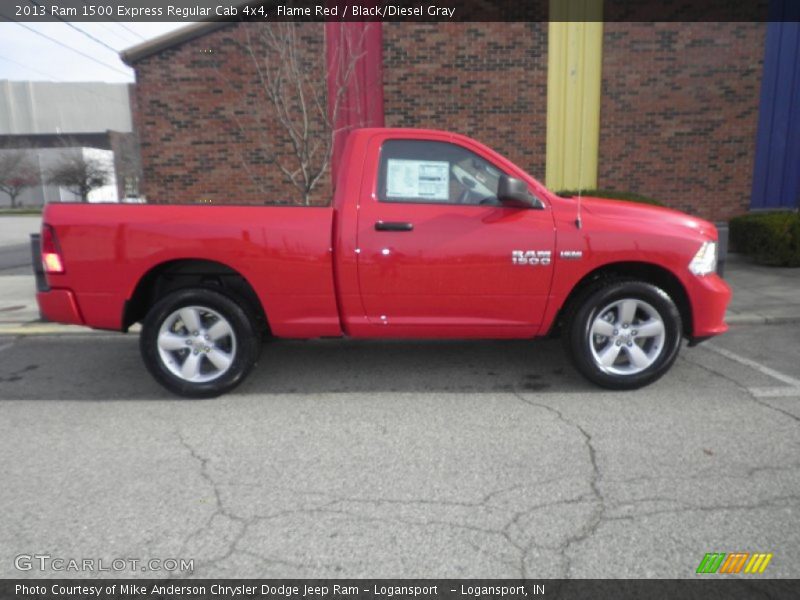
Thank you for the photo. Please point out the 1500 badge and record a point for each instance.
(531, 257)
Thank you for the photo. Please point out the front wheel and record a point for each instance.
(623, 335)
(198, 343)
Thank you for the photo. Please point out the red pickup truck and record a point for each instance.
(430, 235)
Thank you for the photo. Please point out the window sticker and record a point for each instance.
(428, 179)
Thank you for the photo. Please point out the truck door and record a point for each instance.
(438, 255)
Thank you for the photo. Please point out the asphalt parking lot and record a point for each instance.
(402, 459)
(399, 459)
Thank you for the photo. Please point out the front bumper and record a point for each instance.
(709, 297)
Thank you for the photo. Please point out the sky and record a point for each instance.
(27, 55)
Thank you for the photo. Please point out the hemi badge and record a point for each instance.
(572, 254)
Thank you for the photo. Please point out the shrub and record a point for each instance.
(612, 195)
(771, 238)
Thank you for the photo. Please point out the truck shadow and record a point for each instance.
(322, 366)
(109, 368)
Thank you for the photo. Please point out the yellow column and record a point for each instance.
(574, 66)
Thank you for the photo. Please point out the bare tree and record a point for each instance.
(296, 87)
(78, 173)
(127, 162)
(17, 173)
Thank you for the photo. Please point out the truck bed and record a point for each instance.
(284, 252)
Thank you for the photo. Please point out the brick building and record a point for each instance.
(668, 110)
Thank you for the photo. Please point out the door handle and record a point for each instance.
(393, 226)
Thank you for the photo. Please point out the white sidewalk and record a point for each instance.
(17, 299)
(17, 292)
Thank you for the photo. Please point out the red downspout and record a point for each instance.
(361, 99)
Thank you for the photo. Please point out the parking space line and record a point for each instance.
(788, 379)
(6, 346)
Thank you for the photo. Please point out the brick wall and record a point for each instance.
(204, 121)
(207, 130)
(485, 80)
(679, 113)
(678, 121)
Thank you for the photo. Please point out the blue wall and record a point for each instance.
(776, 177)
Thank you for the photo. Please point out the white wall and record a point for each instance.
(46, 158)
(42, 107)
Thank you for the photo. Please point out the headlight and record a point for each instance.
(705, 261)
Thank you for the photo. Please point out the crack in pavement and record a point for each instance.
(243, 523)
(775, 502)
(597, 515)
(503, 532)
(742, 387)
(710, 473)
(483, 502)
(512, 532)
(603, 506)
(329, 508)
(219, 510)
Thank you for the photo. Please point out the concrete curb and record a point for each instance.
(37, 328)
(46, 328)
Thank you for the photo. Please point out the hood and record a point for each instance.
(647, 213)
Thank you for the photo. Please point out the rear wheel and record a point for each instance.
(623, 334)
(198, 342)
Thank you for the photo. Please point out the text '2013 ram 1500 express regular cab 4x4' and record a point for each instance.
(430, 235)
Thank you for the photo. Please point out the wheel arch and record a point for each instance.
(172, 275)
(642, 271)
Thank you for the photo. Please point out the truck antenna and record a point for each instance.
(578, 221)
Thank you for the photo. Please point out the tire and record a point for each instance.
(623, 335)
(199, 343)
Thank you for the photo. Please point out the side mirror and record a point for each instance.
(514, 192)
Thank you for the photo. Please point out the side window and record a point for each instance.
(435, 172)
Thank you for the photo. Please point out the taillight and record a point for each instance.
(51, 255)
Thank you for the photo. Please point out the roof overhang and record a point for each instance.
(168, 40)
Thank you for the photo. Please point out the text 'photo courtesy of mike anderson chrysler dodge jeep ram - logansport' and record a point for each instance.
(429, 235)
